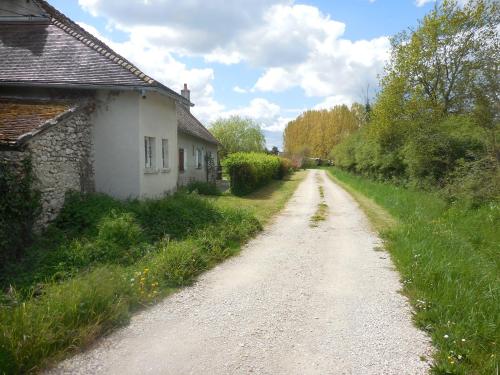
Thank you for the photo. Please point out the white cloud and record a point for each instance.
(275, 79)
(421, 3)
(194, 26)
(267, 114)
(240, 90)
(296, 45)
(332, 101)
(259, 109)
(279, 124)
(332, 65)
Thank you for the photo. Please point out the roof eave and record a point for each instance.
(85, 86)
(193, 134)
(25, 19)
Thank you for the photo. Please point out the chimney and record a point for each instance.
(186, 93)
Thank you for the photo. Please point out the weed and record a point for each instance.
(320, 214)
(321, 192)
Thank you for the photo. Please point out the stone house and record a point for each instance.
(90, 119)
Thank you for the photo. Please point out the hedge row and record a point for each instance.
(249, 171)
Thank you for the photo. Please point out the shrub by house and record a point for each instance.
(249, 171)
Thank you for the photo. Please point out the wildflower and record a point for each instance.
(463, 340)
(132, 280)
(446, 336)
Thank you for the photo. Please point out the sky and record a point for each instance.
(269, 60)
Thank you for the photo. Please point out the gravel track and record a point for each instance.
(298, 300)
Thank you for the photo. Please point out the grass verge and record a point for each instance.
(267, 201)
(449, 260)
(103, 259)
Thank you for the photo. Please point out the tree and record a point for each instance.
(237, 134)
(452, 54)
(314, 133)
(274, 150)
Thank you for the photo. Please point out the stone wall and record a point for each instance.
(62, 161)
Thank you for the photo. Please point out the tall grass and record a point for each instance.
(449, 260)
(101, 260)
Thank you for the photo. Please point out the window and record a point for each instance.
(149, 152)
(199, 158)
(181, 160)
(164, 153)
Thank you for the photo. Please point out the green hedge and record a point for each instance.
(249, 171)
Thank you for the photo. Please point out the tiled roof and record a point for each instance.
(19, 118)
(61, 53)
(189, 124)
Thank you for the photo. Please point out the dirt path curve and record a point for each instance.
(298, 300)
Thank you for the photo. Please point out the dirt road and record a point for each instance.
(300, 299)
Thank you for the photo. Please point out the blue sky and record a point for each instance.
(265, 59)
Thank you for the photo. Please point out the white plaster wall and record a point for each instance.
(116, 149)
(191, 173)
(158, 119)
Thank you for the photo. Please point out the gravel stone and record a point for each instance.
(297, 300)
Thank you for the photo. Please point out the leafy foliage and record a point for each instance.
(203, 188)
(315, 133)
(19, 207)
(435, 123)
(237, 134)
(249, 171)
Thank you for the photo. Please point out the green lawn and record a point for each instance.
(449, 260)
(103, 259)
(267, 201)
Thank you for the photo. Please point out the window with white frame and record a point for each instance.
(199, 158)
(164, 153)
(149, 152)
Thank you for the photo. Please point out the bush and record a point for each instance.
(249, 171)
(203, 188)
(433, 150)
(19, 207)
(474, 183)
(286, 168)
(308, 163)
